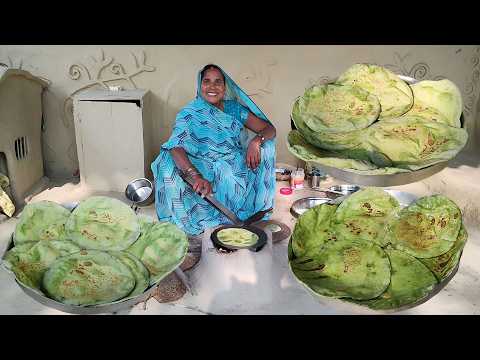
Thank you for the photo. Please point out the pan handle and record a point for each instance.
(257, 216)
(227, 212)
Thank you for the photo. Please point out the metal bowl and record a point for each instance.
(140, 191)
(392, 179)
(405, 199)
(304, 204)
(328, 300)
(344, 189)
(88, 310)
(111, 307)
(81, 310)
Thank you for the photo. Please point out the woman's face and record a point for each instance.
(213, 87)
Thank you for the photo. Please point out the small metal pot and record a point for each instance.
(315, 181)
(140, 192)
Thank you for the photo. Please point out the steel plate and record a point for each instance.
(82, 310)
(304, 204)
(387, 180)
(405, 199)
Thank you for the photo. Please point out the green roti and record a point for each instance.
(313, 230)
(31, 259)
(43, 220)
(237, 237)
(412, 142)
(411, 282)
(443, 265)
(333, 141)
(427, 228)
(407, 143)
(336, 108)
(103, 223)
(299, 147)
(439, 101)
(364, 215)
(146, 222)
(88, 277)
(345, 269)
(139, 271)
(394, 94)
(162, 248)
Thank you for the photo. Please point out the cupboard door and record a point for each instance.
(112, 148)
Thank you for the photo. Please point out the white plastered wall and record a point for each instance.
(273, 75)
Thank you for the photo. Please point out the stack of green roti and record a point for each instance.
(370, 251)
(100, 253)
(371, 122)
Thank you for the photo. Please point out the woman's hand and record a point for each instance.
(254, 153)
(202, 186)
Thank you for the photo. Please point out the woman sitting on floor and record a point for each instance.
(209, 144)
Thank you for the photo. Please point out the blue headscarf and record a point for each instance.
(232, 92)
(199, 120)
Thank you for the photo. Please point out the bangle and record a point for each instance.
(261, 136)
(191, 172)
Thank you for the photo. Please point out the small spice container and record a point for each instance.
(298, 179)
(282, 174)
(316, 176)
(315, 181)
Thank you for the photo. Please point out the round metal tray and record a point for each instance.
(338, 194)
(391, 179)
(83, 310)
(304, 204)
(383, 180)
(88, 310)
(324, 299)
(405, 199)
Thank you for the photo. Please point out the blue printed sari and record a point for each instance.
(215, 142)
